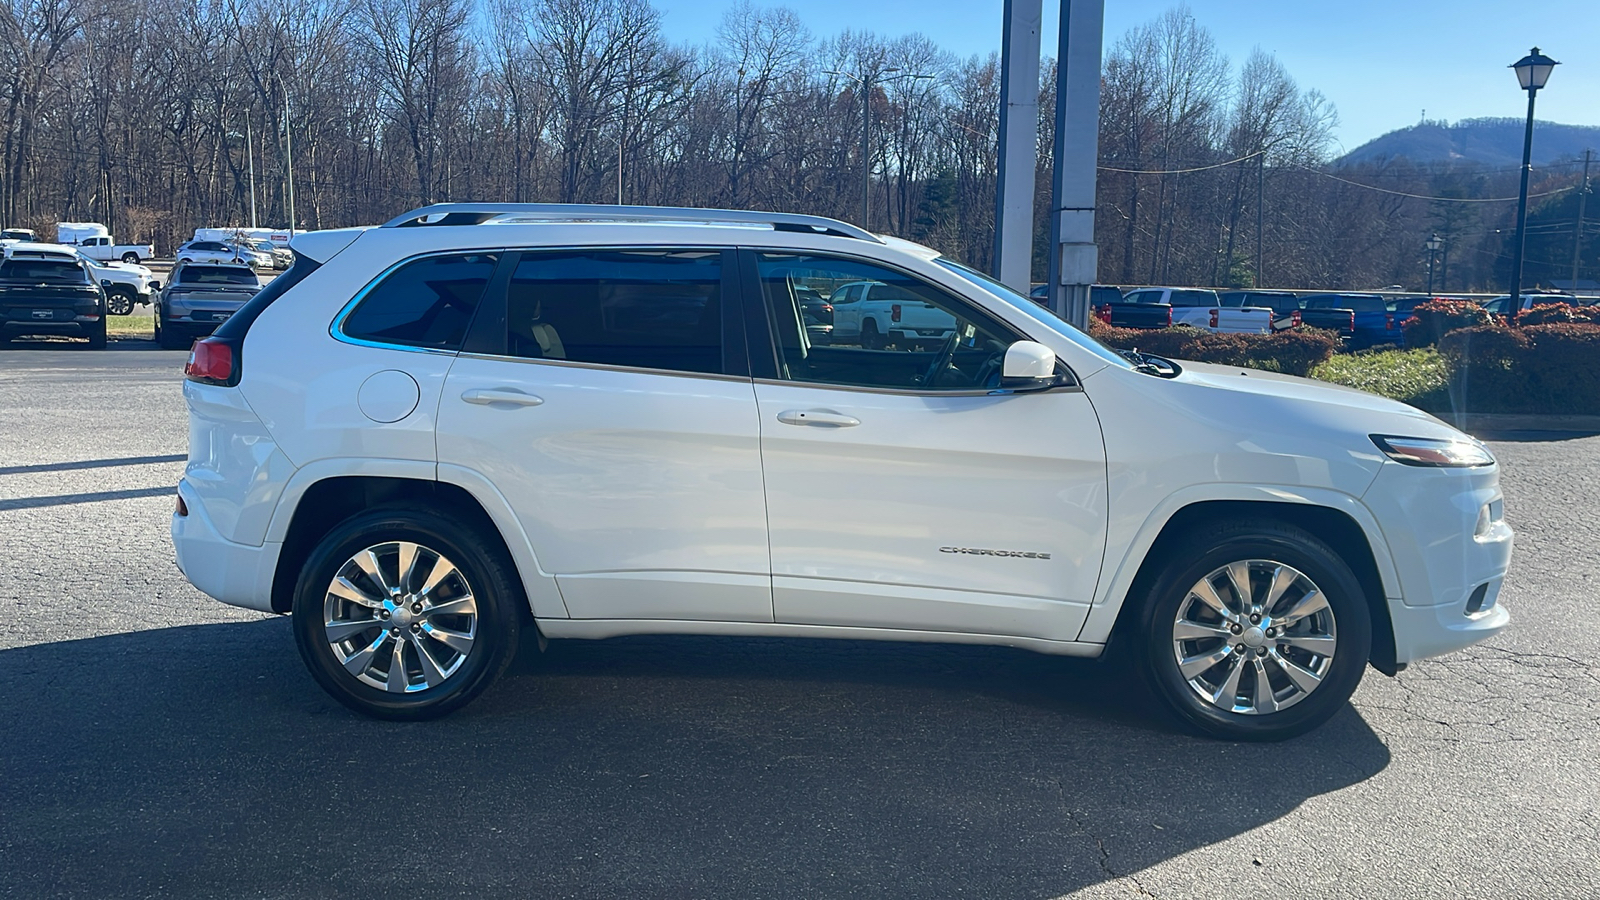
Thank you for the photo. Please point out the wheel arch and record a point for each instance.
(326, 502)
(1361, 548)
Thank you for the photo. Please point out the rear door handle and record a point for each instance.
(508, 396)
(826, 418)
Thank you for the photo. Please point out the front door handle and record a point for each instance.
(826, 418)
(507, 395)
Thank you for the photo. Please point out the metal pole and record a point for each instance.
(1261, 190)
(866, 161)
(1522, 207)
(250, 155)
(288, 152)
(1430, 268)
(1577, 230)
(1019, 144)
(1074, 257)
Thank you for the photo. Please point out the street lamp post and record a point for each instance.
(1532, 71)
(1434, 244)
(866, 127)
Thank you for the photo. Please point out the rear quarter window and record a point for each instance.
(426, 302)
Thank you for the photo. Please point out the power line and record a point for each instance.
(1219, 165)
(1380, 190)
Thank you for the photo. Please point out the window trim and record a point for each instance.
(487, 339)
(761, 330)
(336, 328)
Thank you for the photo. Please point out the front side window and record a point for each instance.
(424, 303)
(901, 334)
(647, 309)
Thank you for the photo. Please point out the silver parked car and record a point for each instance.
(199, 297)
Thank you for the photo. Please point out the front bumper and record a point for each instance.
(1451, 550)
(236, 574)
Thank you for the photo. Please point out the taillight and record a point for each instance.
(894, 313)
(213, 361)
(1169, 315)
(1295, 319)
(1352, 321)
(1104, 313)
(1214, 318)
(827, 307)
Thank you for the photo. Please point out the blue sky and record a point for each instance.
(1381, 63)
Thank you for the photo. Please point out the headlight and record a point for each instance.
(1458, 452)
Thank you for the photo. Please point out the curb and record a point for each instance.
(1473, 423)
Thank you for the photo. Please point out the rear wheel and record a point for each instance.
(1257, 631)
(406, 615)
(97, 336)
(130, 257)
(166, 336)
(871, 337)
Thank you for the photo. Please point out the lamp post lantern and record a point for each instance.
(1434, 245)
(1532, 71)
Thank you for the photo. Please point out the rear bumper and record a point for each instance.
(236, 574)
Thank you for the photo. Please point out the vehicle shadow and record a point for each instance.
(202, 760)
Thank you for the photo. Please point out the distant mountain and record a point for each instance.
(1491, 143)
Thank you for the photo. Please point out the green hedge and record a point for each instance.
(1294, 352)
(1432, 320)
(1533, 369)
(1419, 377)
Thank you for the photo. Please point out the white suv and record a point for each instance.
(598, 421)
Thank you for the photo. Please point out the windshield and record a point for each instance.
(60, 271)
(1036, 312)
(217, 275)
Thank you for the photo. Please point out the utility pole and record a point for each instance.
(288, 152)
(250, 155)
(1577, 231)
(1261, 189)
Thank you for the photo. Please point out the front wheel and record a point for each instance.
(119, 303)
(1256, 631)
(408, 616)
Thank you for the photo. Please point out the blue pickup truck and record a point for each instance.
(1370, 321)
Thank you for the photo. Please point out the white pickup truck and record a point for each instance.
(103, 249)
(877, 315)
(1202, 308)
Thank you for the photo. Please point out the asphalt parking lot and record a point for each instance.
(154, 742)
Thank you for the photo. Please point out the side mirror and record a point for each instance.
(1028, 366)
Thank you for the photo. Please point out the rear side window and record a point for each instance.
(647, 309)
(1193, 298)
(424, 303)
(1099, 295)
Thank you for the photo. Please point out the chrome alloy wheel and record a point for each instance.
(1254, 637)
(400, 617)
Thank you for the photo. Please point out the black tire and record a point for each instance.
(1270, 541)
(119, 302)
(871, 337)
(130, 257)
(168, 337)
(97, 335)
(486, 571)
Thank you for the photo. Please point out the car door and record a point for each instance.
(609, 403)
(903, 490)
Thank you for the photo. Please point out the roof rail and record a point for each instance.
(480, 213)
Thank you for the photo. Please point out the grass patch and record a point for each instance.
(1418, 377)
(130, 326)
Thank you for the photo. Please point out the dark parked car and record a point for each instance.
(51, 297)
(1364, 320)
(199, 297)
